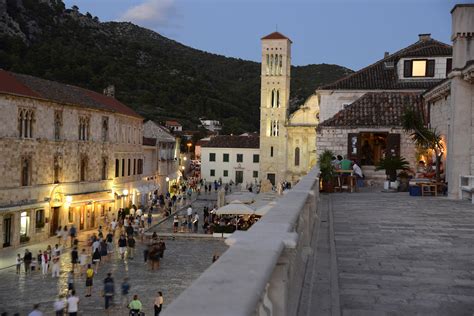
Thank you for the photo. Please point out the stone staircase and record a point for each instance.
(373, 178)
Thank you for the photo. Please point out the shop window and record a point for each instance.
(226, 173)
(26, 171)
(255, 174)
(39, 220)
(117, 168)
(24, 224)
(256, 158)
(240, 158)
(213, 173)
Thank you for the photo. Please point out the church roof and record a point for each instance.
(29, 86)
(375, 109)
(231, 141)
(379, 76)
(275, 35)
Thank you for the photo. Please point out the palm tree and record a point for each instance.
(422, 136)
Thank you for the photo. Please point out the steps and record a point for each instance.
(372, 177)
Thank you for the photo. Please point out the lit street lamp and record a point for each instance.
(189, 146)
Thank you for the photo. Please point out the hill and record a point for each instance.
(158, 77)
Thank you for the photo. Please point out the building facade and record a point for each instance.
(69, 156)
(231, 158)
(451, 103)
(361, 114)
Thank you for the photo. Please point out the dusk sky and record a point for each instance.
(351, 33)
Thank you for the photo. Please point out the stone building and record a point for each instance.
(162, 160)
(227, 158)
(361, 113)
(70, 156)
(287, 143)
(451, 103)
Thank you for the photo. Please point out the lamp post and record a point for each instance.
(189, 146)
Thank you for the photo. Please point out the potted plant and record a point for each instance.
(328, 172)
(391, 164)
(404, 181)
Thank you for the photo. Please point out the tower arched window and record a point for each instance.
(272, 99)
(297, 156)
(267, 65)
(277, 98)
(281, 65)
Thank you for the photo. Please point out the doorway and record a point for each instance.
(54, 221)
(239, 176)
(81, 218)
(7, 231)
(368, 148)
(271, 177)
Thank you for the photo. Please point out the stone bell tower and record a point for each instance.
(274, 106)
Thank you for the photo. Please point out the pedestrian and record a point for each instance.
(158, 303)
(149, 219)
(125, 291)
(59, 305)
(83, 260)
(162, 247)
(113, 225)
(109, 291)
(89, 280)
(122, 243)
(72, 234)
(96, 259)
(135, 306)
(103, 250)
(131, 247)
(175, 224)
(189, 213)
(27, 259)
(74, 258)
(18, 263)
(95, 244)
(35, 311)
(44, 262)
(70, 281)
(55, 269)
(196, 222)
(73, 304)
(64, 235)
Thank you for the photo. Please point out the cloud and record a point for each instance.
(150, 13)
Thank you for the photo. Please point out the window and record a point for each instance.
(128, 167)
(105, 128)
(297, 156)
(24, 223)
(123, 167)
(104, 168)
(39, 219)
(25, 123)
(226, 173)
(240, 158)
(419, 68)
(274, 128)
(117, 168)
(140, 166)
(255, 174)
(449, 65)
(256, 158)
(58, 122)
(83, 169)
(56, 168)
(213, 173)
(134, 166)
(84, 127)
(225, 157)
(275, 98)
(212, 157)
(271, 151)
(25, 171)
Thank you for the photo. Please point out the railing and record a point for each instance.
(262, 272)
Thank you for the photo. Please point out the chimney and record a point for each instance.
(110, 91)
(385, 55)
(424, 37)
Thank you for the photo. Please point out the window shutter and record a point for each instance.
(430, 68)
(449, 65)
(407, 68)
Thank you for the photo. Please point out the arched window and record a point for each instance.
(297, 156)
(25, 123)
(105, 128)
(267, 70)
(281, 65)
(83, 169)
(25, 171)
(278, 98)
(272, 59)
(272, 98)
(58, 122)
(104, 168)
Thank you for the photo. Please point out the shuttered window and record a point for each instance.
(430, 68)
(407, 68)
(449, 65)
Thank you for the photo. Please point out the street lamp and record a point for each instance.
(185, 158)
(183, 167)
(125, 192)
(167, 179)
(189, 146)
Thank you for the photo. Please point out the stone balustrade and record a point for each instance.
(263, 270)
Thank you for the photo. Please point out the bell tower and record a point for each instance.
(274, 106)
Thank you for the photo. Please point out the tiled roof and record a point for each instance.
(29, 86)
(375, 109)
(227, 141)
(378, 76)
(148, 141)
(172, 123)
(275, 35)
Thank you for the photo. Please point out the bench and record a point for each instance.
(466, 187)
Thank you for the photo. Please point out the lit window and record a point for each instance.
(419, 68)
(24, 224)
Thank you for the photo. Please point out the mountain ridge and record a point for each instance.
(158, 77)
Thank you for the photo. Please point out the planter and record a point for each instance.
(328, 186)
(404, 183)
(219, 235)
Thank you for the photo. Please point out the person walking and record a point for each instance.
(122, 243)
(74, 258)
(18, 263)
(72, 234)
(35, 311)
(196, 222)
(59, 305)
(27, 258)
(55, 269)
(44, 262)
(89, 280)
(135, 305)
(158, 305)
(96, 259)
(70, 281)
(130, 247)
(125, 290)
(109, 291)
(73, 304)
(64, 236)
